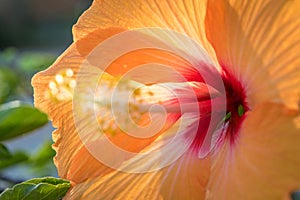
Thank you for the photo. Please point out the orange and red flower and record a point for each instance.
(178, 100)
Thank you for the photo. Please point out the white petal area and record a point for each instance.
(95, 139)
(215, 136)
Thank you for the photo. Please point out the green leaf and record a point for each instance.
(48, 188)
(4, 153)
(8, 83)
(32, 62)
(15, 158)
(18, 118)
(41, 163)
(44, 155)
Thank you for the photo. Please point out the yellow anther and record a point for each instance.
(59, 79)
(52, 85)
(61, 88)
(69, 73)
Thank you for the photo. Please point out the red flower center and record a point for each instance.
(225, 123)
(236, 104)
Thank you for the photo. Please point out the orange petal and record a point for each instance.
(182, 16)
(50, 89)
(71, 60)
(71, 153)
(184, 179)
(259, 41)
(147, 56)
(264, 162)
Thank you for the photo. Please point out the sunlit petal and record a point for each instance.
(259, 41)
(264, 163)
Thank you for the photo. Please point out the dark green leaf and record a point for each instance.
(17, 118)
(48, 188)
(15, 158)
(8, 83)
(4, 153)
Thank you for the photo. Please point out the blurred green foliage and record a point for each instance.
(31, 25)
(16, 158)
(31, 62)
(41, 163)
(12, 120)
(4, 153)
(19, 117)
(16, 70)
(8, 83)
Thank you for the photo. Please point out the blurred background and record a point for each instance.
(32, 34)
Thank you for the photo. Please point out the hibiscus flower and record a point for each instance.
(178, 100)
